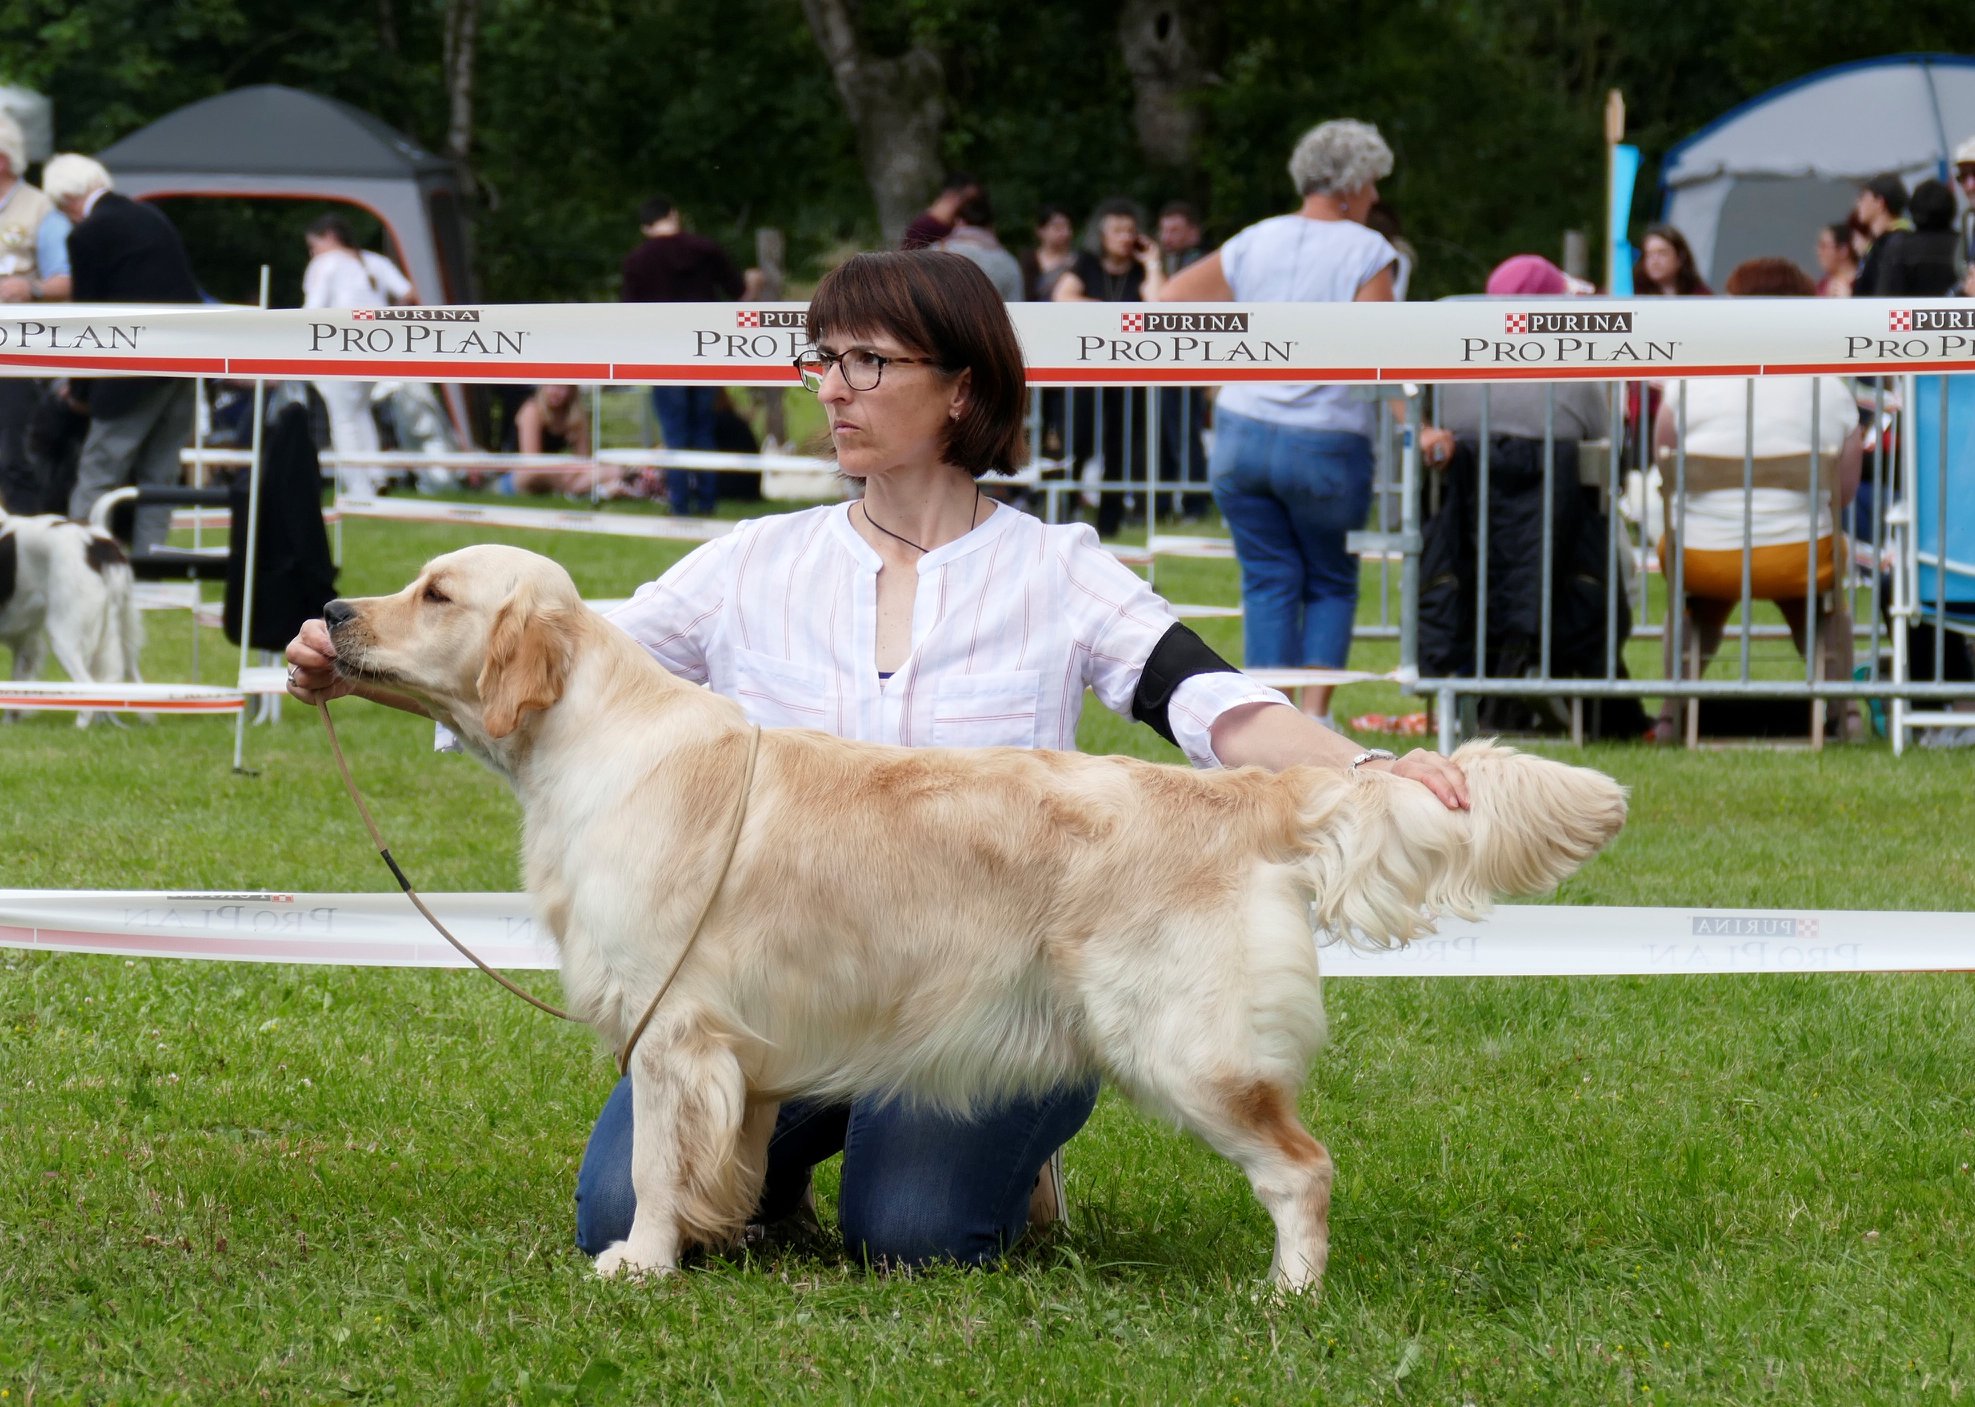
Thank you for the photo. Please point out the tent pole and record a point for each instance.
(253, 554)
(1614, 134)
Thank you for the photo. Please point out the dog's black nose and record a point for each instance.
(338, 611)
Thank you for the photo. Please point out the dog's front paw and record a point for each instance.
(618, 1260)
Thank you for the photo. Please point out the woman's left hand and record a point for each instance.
(1437, 774)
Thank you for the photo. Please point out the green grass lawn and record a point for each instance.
(234, 1183)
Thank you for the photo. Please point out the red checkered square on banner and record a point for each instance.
(1516, 322)
(1133, 322)
(1807, 928)
(747, 319)
(1899, 319)
(364, 314)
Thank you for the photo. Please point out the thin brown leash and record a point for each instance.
(383, 850)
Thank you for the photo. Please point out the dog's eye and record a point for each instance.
(436, 596)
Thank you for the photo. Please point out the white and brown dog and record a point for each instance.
(952, 925)
(67, 586)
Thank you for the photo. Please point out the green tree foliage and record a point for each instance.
(584, 107)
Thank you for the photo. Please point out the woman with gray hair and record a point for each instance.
(1292, 464)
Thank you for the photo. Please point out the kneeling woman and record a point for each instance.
(923, 614)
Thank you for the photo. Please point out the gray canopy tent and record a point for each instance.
(1761, 178)
(275, 143)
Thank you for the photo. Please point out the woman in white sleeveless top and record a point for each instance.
(1292, 464)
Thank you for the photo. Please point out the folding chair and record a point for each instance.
(1933, 528)
(1827, 643)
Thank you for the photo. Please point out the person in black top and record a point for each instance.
(121, 251)
(1881, 212)
(1920, 263)
(672, 266)
(1123, 267)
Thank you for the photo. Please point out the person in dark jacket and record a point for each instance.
(1920, 263)
(121, 251)
(672, 266)
(1881, 212)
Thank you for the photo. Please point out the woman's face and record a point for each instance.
(319, 244)
(1662, 261)
(1830, 254)
(558, 398)
(1118, 236)
(898, 424)
(1055, 232)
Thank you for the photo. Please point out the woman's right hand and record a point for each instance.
(312, 676)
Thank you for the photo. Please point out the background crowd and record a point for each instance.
(1289, 467)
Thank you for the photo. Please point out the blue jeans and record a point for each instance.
(1289, 497)
(917, 1186)
(685, 420)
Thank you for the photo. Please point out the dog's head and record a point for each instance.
(484, 635)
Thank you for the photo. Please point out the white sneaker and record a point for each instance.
(1047, 1204)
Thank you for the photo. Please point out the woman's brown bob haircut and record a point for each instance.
(942, 307)
(1770, 278)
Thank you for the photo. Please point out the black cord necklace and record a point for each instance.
(971, 518)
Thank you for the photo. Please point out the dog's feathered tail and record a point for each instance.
(1386, 858)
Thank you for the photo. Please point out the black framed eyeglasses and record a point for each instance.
(862, 370)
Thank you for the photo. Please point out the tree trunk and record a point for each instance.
(1165, 45)
(896, 106)
(461, 43)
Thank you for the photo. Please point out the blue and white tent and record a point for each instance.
(1761, 178)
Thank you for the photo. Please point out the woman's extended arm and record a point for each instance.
(1276, 736)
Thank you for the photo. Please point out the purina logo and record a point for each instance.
(415, 314)
(1521, 324)
(1721, 926)
(1183, 322)
(771, 317)
(1930, 319)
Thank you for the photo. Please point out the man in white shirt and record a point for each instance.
(340, 275)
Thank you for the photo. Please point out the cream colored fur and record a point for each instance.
(953, 925)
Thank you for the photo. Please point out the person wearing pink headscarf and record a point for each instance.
(1517, 408)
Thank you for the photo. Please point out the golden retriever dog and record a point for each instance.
(953, 925)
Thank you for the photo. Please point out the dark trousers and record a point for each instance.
(685, 419)
(918, 1186)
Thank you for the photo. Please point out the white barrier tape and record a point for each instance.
(1529, 940)
(1064, 343)
(64, 696)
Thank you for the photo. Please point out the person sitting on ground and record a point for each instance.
(1836, 260)
(555, 421)
(1775, 523)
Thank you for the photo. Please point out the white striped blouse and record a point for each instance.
(1009, 625)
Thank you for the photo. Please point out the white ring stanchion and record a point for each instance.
(1520, 940)
(64, 696)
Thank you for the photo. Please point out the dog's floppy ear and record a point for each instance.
(527, 661)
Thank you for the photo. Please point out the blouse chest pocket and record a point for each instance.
(779, 693)
(987, 710)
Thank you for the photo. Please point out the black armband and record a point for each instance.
(1178, 657)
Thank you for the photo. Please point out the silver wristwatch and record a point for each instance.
(1372, 754)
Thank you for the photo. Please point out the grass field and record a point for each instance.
(227, 1183)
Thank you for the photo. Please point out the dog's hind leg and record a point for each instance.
(1252, 1122)
(689, 1102)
